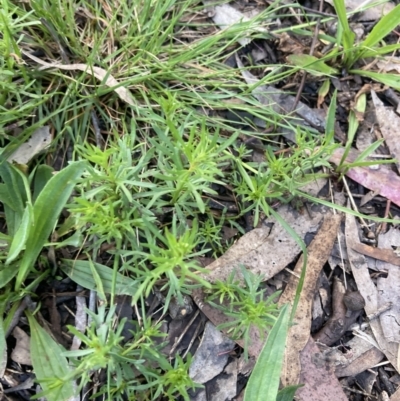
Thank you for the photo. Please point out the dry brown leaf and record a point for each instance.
(320, 382)
(389, 124)
(97, 72)
(299, 333)
(364, 355)
(367, 289)
(388, 288)
(40, 140)
(22, 351)
(283, 103)
(389, 64)
(377, 178)
(386, 255)
(266, 251)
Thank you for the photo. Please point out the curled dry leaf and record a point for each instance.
(100, 73)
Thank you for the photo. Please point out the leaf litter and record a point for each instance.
(270, 251)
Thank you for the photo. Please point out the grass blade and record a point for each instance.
(385, 25)
(311, 64)
(391, 80)
(348, 34)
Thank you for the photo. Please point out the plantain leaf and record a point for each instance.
(43, 175)
(13, 196)
(46, 210)
(50, 366)
(81, 272)
(20, 237)
(263, 384)
(7, 273)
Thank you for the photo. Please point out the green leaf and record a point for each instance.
(20, 237)
(13, 195)
(380, 50)
(42, 177)
(331, 118)
(3, 349)
(385, 25)
(46, 210)
(51, 368)
(263, 384)
(7, 274)
(348, 35)
(392, 80)
(99, 283)
(312, 64)
(80, 271)
(287, 393)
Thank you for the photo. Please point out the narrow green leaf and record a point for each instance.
(331, 118)
(3, 349)
(312, 64)
(20, 237)
(392, 80)
(51, 368)
(263, 384)
(97, 280)
(385, 25)
(46, 210)
(7, 274)
(380, 50)
(348, 34)
(80, 272)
